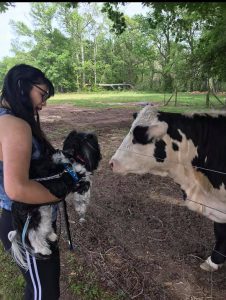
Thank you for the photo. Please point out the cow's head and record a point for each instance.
(143, 150)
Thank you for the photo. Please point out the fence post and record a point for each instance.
(208, 99)
(175, 97)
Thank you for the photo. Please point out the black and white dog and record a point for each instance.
(66, 171)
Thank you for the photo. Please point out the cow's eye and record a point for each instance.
(135, 115)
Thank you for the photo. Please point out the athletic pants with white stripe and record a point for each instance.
(42, 278)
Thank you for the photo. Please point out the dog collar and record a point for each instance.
(71, 172)
(79, 157)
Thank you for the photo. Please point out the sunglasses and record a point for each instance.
(45, 96)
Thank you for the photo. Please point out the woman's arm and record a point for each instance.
(16, 143)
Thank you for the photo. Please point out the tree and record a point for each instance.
(173, 47)
(5, 5)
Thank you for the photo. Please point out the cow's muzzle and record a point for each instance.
(114, 165)
(111, 164)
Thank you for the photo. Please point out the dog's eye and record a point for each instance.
(69, 151)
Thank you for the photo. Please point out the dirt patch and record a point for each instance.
(138, 240)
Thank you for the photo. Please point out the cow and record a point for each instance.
(190, 149)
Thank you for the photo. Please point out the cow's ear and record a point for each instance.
(134, 115)
(157, 130)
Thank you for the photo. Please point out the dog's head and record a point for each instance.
(83, 148)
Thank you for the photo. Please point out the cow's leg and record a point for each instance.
(219, 253)
(218, 256)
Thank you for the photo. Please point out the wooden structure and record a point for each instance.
(118, 86)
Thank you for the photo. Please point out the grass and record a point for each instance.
(11, 280)
(81, 283)
(102, 100)
(185, 101)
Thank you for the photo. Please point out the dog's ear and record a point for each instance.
(74, 131)
(91, 151)
(92, 137)
(71, 135)
(69, 140)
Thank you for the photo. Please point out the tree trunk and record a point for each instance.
(212, 85)
(77, 74)
(176, 97)
(208, 99)
(83, 65)
(168, 83)
(95, 61)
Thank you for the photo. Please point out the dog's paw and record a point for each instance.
(43, 251)
(52, 237)
(12, 235)
(82, 220)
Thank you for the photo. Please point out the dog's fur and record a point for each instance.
(81, 152)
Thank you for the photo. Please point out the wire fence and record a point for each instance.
(195, 167)
(120, 277)
(99, 257)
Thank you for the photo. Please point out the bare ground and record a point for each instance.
(138, 241)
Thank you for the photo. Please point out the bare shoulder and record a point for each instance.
(11, 126)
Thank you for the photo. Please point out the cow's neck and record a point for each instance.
(201, 196)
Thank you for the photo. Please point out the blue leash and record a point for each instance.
(76, 179)
(71, 172)
(25, 230)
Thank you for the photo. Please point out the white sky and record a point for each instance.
(21, 13)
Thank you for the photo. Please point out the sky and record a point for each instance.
(21, 13)
(18, 13)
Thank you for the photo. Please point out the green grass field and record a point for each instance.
(185, 101)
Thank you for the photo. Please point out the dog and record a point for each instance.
(66, 171)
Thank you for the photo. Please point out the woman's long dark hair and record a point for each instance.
(16, 89)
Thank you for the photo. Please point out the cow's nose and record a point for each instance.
(111, 163)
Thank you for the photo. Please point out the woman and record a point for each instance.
(25, 91)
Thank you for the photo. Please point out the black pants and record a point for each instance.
(42, 278)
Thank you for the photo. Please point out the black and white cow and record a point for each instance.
(191, 149)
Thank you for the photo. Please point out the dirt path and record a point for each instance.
(138, 242)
